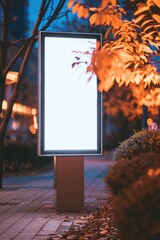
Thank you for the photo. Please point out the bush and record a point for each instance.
(142, 141)
(137, 210)
(125, 172)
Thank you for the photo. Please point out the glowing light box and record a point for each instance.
(69, 101)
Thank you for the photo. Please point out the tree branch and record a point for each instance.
(24, 46)
(42, 11)
(28, 45)
(12, 100)
(1, 3)
(17, 55)
(17, 41)
(57, 10)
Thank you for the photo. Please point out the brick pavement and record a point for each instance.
(27, 209)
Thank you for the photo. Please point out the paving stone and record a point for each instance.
(65, 226)
(27, 208)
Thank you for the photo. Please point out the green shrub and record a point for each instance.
(137, 210)
(142, 141)
(125, 172)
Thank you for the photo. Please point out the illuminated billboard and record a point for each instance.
(70, 105)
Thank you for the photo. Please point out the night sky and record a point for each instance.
(34, 6)
(33, 10)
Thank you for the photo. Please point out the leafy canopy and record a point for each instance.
(129, 47)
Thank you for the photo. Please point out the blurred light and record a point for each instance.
(1, 115)
(15, 125)
(18, 108)
(4, 105)
(33, 111)
(32, 129)
(154, 126)
(35, 123)
(149, 121)
(21, 109)
(11, 77)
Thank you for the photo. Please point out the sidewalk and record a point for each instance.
(27, 209)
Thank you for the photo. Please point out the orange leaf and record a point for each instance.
(108, 20)
(103, 232)
(113, 2)
(139, 18)
(143, 9)
(97, 21)
(150, 172)
(103, 19)
(149, 35)
(147, 21)
(86, 13)
(145, 30)
(100, 87)
(108, 84)
(157, 26)
(107, 32)
(156, 17)
(157, 2)
(93, 9)
(122, 10)
(104, 3)
(93, 19)
(75, 8)
(116, 23)
(80, 11)
(98, 45)
(140, 5)
(149, 78)
(157, 172)
(70, 3)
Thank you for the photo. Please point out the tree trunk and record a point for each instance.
(2, 89)
(1, 162)
(144, 117)
(26, 49)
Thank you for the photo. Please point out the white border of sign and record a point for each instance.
(70, 105)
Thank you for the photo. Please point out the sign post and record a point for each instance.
(70, 111)
(69, 191)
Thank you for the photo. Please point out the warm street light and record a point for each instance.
(11, 77)
(18, 108)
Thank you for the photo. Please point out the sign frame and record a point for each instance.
(42, 99)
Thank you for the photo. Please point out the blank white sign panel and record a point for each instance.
(69, 102)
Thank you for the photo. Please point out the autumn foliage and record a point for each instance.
(130, 50)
